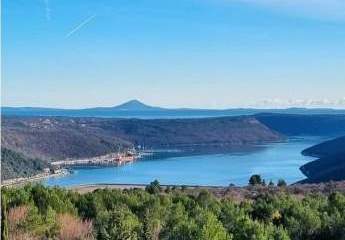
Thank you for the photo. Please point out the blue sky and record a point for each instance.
(178, 53)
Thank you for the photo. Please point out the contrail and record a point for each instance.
(79, 26)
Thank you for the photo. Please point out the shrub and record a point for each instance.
(73, 228)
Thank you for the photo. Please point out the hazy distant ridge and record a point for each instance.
(137, 109)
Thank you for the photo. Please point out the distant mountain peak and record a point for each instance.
(134, 105)
(135, 101)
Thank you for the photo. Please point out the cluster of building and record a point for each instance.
(109, 159)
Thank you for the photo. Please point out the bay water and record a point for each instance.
(272, 161)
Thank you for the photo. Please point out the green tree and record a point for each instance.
(210, 228)
(51, 223)
(154, 187)
(281, 183)
(255, 180)
(207, 201)
(271, 183)
(119, 224)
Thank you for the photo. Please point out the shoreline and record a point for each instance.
(37, 177)
(142, 185)
(237, 192)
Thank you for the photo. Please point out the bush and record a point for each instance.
(72, 228)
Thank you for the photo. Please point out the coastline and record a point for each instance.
(85, 188)
(37, 177)
(235, 192)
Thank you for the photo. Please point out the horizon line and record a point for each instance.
(182, 108)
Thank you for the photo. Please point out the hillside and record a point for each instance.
(331, 162)
(328, 148)
(189, 132)
(57, 138)
(299, 124)
(15, 165)
(60, 138)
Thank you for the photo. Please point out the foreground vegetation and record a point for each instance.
(38, 212)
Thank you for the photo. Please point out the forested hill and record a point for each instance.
(331, 162)
(59, 138)
(15, 165)
(298, 124)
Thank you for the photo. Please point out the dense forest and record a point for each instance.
(38, 212)
(15, 165)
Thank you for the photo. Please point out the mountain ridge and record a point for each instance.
(131, 105)
(138, 109)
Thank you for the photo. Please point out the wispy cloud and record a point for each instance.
(319, 103)
(47, 10)
(325, 9)
(79, 26)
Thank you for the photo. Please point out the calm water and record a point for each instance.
(274, 161)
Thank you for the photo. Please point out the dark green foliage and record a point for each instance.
(281, 183)
(175, 215)
(119, 223)
(15, 165)
(154, 187)
(255, 180)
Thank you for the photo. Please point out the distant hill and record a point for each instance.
(326, 149)
(130, 106)
(135, 105)
(137, 109)
(331, 162)
(300, 124)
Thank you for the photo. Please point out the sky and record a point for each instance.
(173, 53)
